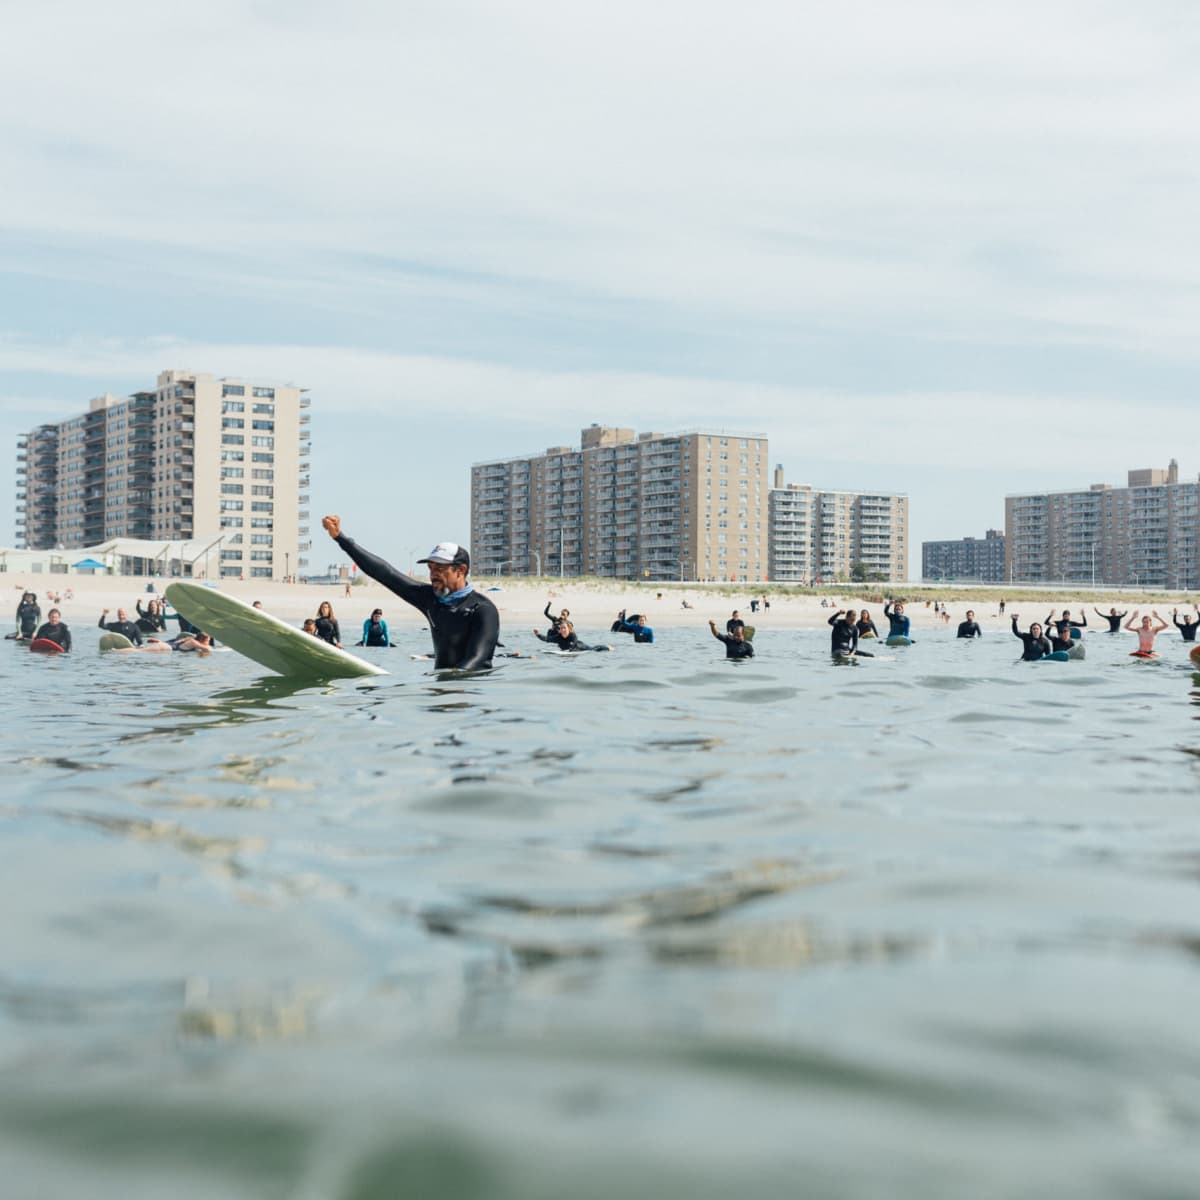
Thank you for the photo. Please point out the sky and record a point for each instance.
(945, 249)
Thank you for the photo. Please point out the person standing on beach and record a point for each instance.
(464, 623)
(1113, 618)
(735, 643)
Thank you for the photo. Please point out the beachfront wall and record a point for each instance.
(1141, 535)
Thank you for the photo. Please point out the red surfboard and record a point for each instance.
(45, 646)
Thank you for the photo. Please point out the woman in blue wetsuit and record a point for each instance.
(1036, 644)
(563, 636)
(375, 630)
(900, 624)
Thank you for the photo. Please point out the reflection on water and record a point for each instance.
(633, 924)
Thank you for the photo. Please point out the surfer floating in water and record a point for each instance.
(1113, 618)
(736, 645)
(1037, 645)
(464, 623)
(122, 625)
(54, 631)
(375, 630)
(1065, 622)
(637, 626)
(28, 616)
(328, 629)
(1146, 633)
(866, 627)
(1187, 627)
(564, 637)
(970, 627)
(898, 622)
(843, 641)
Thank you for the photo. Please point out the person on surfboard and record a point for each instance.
(464, 623)
(1037, 645)
(54, 631)
(122, 625)
(1113, 618)
(900, 624)
(1146, 633)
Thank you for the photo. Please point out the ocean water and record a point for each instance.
(644, 923)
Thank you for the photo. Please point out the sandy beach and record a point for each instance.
(593, 603)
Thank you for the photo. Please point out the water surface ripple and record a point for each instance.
(644, 923)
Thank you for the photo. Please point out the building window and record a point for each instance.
(228, 406)
(233, 389)
(261, 393)
(269, 409)
(260, 456)
(232, 489)
(267, 443)
(265, 426)
(232, 439)
(259, 490)
(232, 423)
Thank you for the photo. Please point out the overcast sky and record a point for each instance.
(941, 248)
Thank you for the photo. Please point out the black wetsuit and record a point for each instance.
(969, 629)
(565, 641)
(1063, 640)
(464, 631)
(328, 630)
(28, 616)
(844, 639)
(124, 628)
(59, 634)
(1035, 647)
(1186, 630)
(734, 623)
(734, 648)
(1060, 622)
(149, 622)
(865, 627)
(1114, 620)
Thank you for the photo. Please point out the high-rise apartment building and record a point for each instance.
(1141, 535)
(970, 559)
(826, 536)
(197, 458)
(626, 506)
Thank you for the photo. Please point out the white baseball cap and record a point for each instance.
(448, 552)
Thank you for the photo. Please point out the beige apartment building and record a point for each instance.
(628, 506)
(1142, 535)
(199, 458)
(825, 536)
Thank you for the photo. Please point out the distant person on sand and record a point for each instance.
(1113, 618)
(463, 622)
(1146, 633)
(735, 643)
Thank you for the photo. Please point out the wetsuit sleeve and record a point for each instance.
(335, 629)
(1016, 632)
(135, 635)
(541, 637)
(649, 634)
(366, 630)
(482, 643)
(1175, 621)
(547, 611)
(383, 572)
(1082, 624)
(387, 637)
(833, 620)
(66, 642)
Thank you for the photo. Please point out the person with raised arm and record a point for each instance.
(1146, 633)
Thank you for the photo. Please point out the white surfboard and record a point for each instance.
(267, 640)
